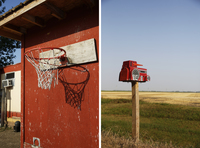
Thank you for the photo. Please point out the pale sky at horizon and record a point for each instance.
(164, 36)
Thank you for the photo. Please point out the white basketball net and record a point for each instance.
(47, 69)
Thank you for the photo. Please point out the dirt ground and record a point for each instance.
(191, 99)
(9, 138)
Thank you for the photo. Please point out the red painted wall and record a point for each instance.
(13, 114)
(11, 68)
(45, 113)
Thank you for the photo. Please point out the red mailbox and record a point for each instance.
(130, 72)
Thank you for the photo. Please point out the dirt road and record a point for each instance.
(9, 139)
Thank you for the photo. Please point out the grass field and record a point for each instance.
(163, 121)
(191, 99)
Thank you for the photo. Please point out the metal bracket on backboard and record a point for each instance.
(79, 53)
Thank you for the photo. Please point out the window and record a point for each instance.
(10, 75)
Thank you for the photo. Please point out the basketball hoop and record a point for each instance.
(46, 62)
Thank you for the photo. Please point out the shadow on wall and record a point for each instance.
(74, 90)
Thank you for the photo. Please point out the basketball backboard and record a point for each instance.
(78, 53)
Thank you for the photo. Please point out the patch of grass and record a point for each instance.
(3, 128)
(117, 125)
(160, 122)
(115, 101)
(170, 111)
(113, 140)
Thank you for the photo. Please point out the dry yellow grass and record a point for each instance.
(192, 99)
(110, 140)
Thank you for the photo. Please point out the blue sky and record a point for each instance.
(164, 36)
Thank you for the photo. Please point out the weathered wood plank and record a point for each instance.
(81, 52)
(56, 12)
(14, 29)
(34, 20)
(10, 35)
(21, 11)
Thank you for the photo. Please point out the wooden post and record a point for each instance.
(135, 111)
(5, 109)
(2, 107)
